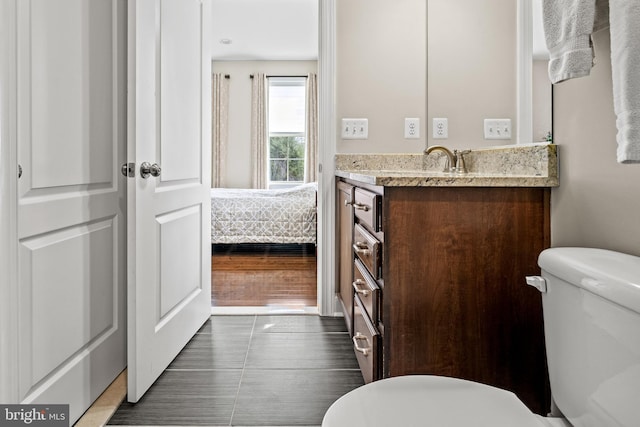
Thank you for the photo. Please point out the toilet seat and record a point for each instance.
(419, 400)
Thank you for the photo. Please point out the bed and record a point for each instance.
(264, 216)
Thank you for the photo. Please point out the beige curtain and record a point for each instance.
(311, 154)
(259, 131)
(219, 129)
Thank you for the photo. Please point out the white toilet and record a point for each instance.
(591, 305)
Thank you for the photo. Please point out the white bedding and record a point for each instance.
(264, 216)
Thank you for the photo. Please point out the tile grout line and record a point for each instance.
(244, 364)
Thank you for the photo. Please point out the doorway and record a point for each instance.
(250, 275)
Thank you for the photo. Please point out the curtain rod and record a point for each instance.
(275, 75)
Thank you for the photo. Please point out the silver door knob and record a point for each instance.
(147, 169)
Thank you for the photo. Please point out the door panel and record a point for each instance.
(73, 102)
(71, 199)
(168, 218)
(179, 264)
(180, 106)
(57, 282)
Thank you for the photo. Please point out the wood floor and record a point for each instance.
(252, 371)
(263, 275)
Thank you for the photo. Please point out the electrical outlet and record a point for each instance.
(355, 129)
(440, 128)
(497, 128)
(412, 128)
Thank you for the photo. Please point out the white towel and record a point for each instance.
(568, 25)
(624, 16)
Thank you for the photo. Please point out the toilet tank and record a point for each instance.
(592, 331)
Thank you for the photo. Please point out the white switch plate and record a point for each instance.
(412, 128)
(440, 128)
(355, 129)
(497, 128)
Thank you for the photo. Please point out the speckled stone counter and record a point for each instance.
(523, 165)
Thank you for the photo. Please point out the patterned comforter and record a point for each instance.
(264, 216)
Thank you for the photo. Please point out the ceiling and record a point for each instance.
(288, 30)
(265, 30)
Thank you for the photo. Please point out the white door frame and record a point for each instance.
(8, 205)
(326, 153)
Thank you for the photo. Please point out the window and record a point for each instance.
(287, 131)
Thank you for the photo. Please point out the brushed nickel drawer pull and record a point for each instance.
(361, 248)
(363, 292)
(364, 350)
(361, 207)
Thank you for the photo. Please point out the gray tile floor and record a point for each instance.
(252, 371)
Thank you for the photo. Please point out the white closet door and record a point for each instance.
(71, 94)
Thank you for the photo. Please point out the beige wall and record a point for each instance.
(598, 202)
(239, 149)
(381, 71)
(472, 68)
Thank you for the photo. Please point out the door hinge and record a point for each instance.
(19, 171)
(128, 169)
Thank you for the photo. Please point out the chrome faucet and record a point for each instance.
(455, 159)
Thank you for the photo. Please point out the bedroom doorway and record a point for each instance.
(253, 273)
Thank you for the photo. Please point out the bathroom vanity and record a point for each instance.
(432, 265)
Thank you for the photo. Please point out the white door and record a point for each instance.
(70, 91)
(169, 255)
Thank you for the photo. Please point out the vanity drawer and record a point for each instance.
(367, 249)
(367, 289)
(366, 341)
(367, 207)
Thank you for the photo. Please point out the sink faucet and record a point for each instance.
(455, 160)
(450, 165)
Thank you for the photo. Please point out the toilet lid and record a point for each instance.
(423, 400)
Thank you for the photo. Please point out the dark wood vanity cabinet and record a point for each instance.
(344, 228)
(451, 292)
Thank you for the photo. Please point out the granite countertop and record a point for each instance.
(523, 165)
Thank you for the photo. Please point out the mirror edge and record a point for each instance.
(524, 92)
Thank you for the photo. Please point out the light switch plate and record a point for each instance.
(355, 129)
(497, 128)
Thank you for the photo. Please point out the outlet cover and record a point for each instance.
(412, 128)
(440, 128)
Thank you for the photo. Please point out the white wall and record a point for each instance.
(381, 71)
(597, 203)
(239, 149)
